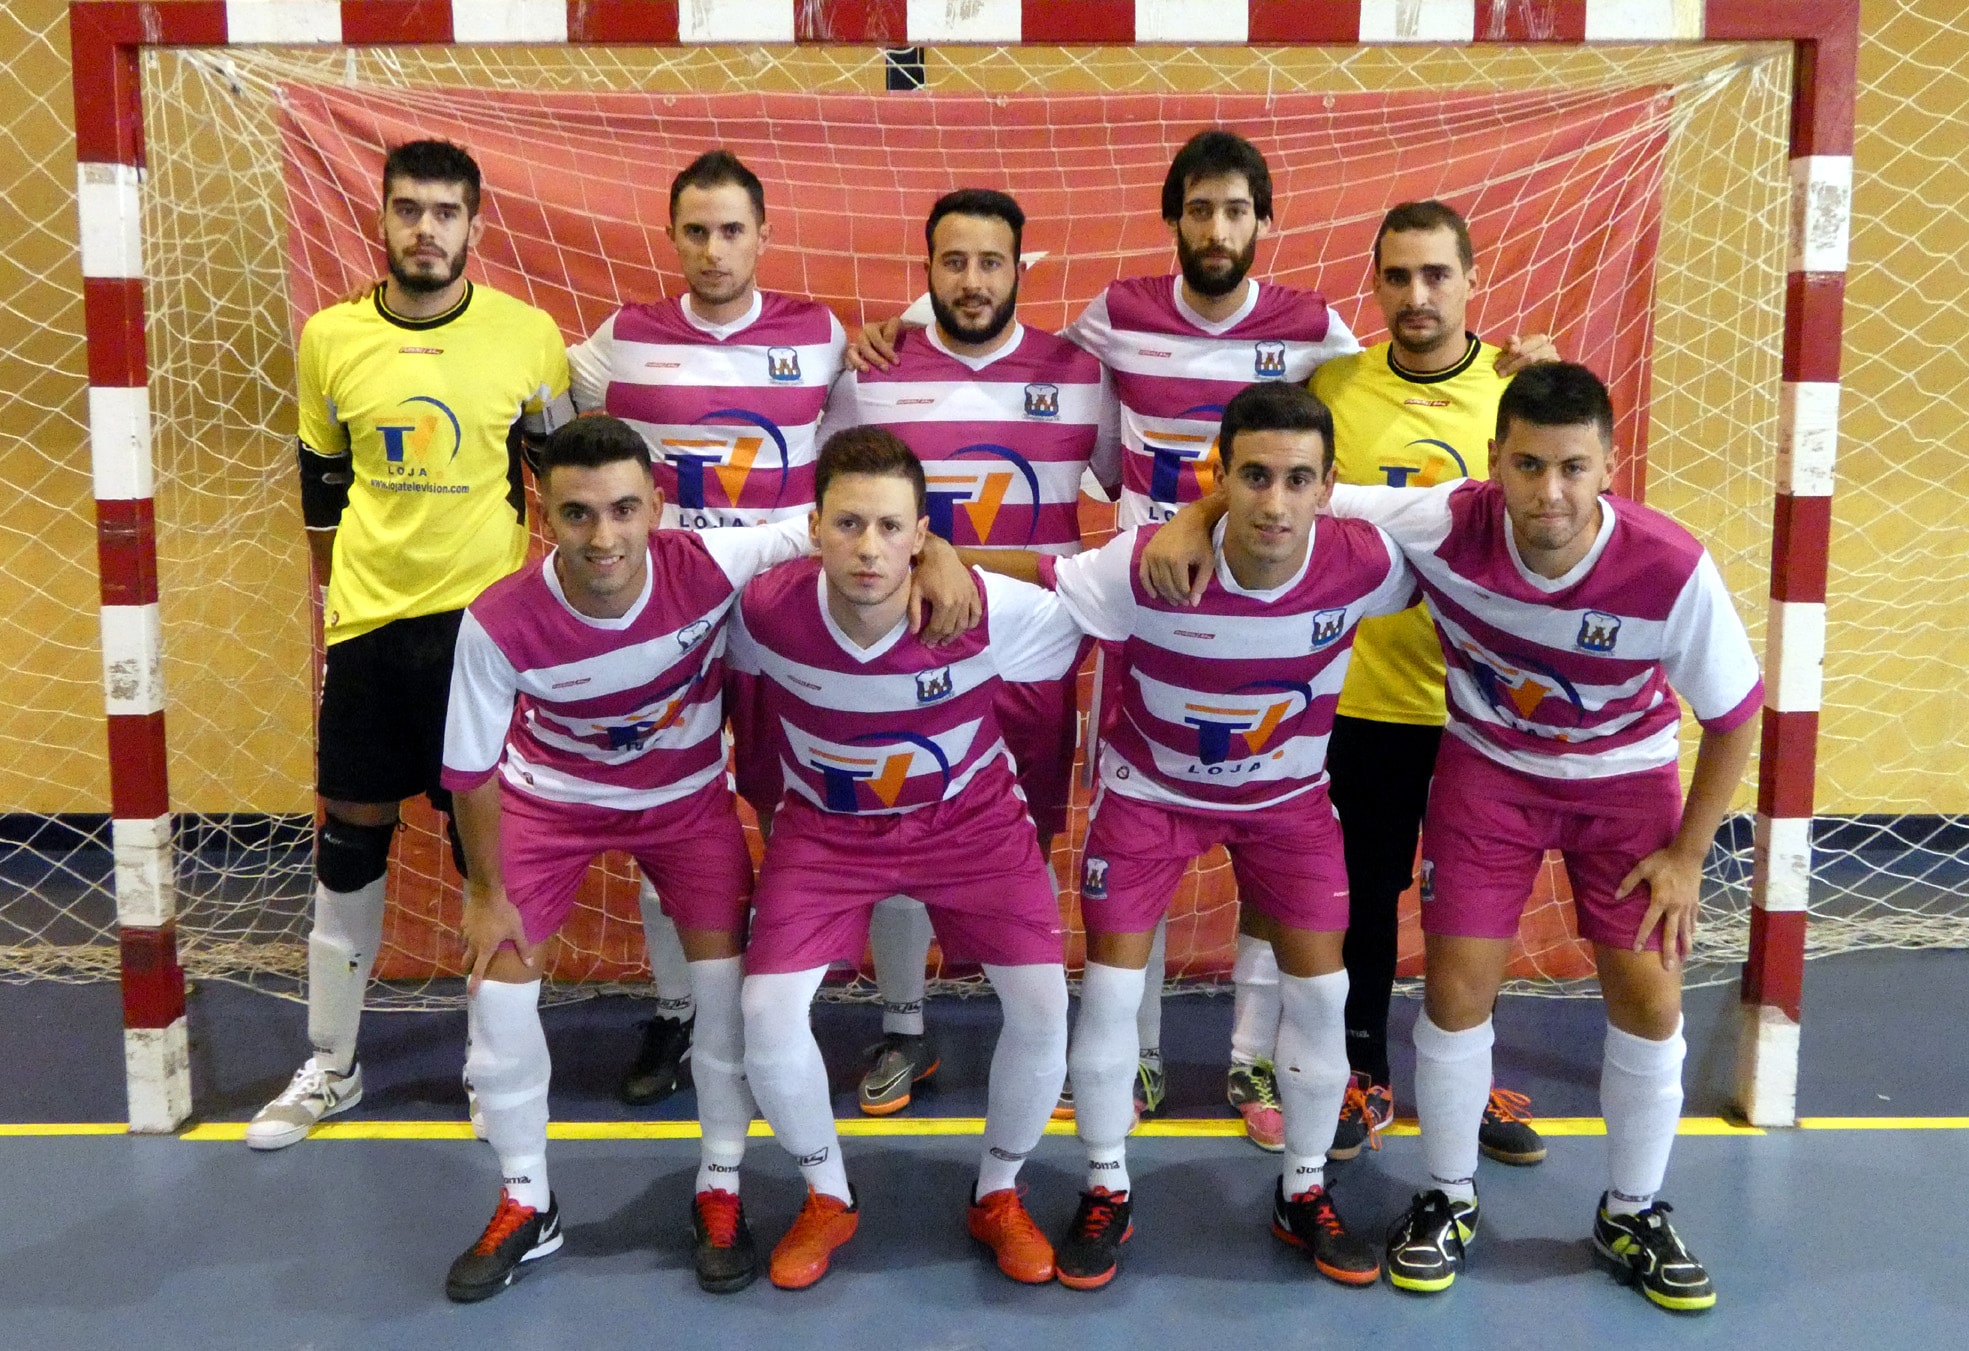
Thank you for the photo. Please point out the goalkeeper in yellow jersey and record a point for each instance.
(413, 403)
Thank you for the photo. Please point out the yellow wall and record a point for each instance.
(1893, 739)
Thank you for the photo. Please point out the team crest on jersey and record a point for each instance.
(1042, 400)
(1268, 359)
(1598, 631)
(1428, 880)
(1327, 626)
(933, 685)
(1094, 878)
(783, 364)
(691, 635)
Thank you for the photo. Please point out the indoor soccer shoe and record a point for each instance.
(1063, 1109)
(517, 1235)
(901, 1061)
(1645, 1250)
(823, 1224)
(1309, 1221)
(313, 1093)
(1000, 1222)
(1092, 1251)
(1366, 1111)
(662, 1066)
(1506, 1134)
(722, 1243)
(1426, 1246)
(1253, 1090)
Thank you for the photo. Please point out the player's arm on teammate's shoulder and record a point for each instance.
(1673, 873)
(1518, 353)
(873, 348)
(552, 403)
(1176, 563)
(943, 594)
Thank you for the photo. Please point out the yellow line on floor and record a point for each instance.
(1185, 1128)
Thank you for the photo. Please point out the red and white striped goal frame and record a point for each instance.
(107, 37)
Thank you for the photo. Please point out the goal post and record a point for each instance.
(108, 38)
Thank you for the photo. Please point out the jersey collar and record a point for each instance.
(621, 621)
(1574, 575)
(864, 655)
(1471, 352)
(1196, 320)
(723, 331)
(419, 325)
(1227, 580)
(1004, 349)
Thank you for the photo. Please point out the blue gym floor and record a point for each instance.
(1845, 1233)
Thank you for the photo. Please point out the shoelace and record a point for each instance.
(1356, 1101)
(505, 1220)
(814, 1216)
(1324, 1214)
(1100, 1211)
(1510, 1105)
(1265, 1083)
(719, 1210)
(1014, 1219)
(310, 1081)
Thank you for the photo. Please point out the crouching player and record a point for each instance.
(894, 778)
(611, 650)
(1570, 620)
(1225, 715)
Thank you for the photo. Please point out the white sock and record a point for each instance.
(1026, 1068)
(899, 933)
(1255, 1009)
(1641, 1098)
(669, 970)
(509, 1068)
(1102, 1062)
(348, 929)
(1312, 1073)
(1452, 1084)
(1148, 1013)
(783, 1065)
(724, 1102)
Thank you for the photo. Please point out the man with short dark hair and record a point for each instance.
(727, 384)
(1006, 421)
(412, 404)
(894, 778)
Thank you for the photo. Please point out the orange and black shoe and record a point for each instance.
(1310, 1222)
(724, 1254)
(1000, 1222)
(1506, 1134)
(1092, 1251)
(823, 1224)
(516, 1235)
(1366, 1111)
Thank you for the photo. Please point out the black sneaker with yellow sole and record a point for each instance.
(1426, 1246)
(1645, 1251)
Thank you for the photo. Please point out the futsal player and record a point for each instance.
(727, 383)
(1570, 621)
(895, 779)
(1412, 411)
(1005, 420)
(586, 716)
(1225, 713)
(411, 408)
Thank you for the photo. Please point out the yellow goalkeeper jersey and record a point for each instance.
(1407, 430)
(425, 409)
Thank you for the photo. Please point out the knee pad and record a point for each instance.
(349, 857)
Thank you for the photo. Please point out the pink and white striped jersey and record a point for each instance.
(621, 713)
(1572, 677)
(1228, 706)
(729, 410)
(1004, 438)
(1174, 372)
(898, 725)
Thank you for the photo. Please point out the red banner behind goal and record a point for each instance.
(1561, 188)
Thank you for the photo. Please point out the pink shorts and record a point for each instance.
(973, 861)
(1287, 860)
(1488, 827)
(692, 851)
(1041, 723)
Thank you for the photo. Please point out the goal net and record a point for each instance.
(1632, 202)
